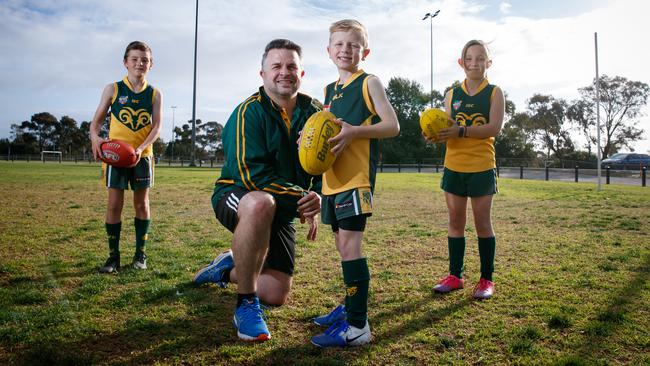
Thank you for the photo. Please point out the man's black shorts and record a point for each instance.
(282, 246)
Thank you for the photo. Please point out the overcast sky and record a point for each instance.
(56, 56)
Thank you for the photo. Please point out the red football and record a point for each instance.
(118, 153)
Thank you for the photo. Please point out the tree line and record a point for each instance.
(547, 129)
(43, 132)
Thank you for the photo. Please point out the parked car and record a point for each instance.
(627, 161)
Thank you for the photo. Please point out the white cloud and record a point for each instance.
(57, 56)
(504, 8)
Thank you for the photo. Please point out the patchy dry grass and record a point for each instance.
(572, 275)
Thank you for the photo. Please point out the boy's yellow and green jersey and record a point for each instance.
(131, 114)
(259, 142)
(471, 155)
(356, 167)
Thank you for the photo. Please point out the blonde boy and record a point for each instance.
(359, 102)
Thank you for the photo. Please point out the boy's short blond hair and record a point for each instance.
(346, 25)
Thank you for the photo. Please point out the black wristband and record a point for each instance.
(461, 131)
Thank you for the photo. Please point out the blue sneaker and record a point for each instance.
(249, 321)
(335, 315)
(342, 334)
(212, 272)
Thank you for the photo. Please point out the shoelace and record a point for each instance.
(339, 327)
(253, 311)
(336, 313)
(447, 281)
(482, 285)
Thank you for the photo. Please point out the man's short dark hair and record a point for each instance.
(281, 44)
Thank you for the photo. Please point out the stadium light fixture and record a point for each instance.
(196, 33)
(430, 16)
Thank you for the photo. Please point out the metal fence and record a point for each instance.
(576, 174)
(507, 168)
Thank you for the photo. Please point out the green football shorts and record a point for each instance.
(469, 184)
(139, 177)
(338, 209)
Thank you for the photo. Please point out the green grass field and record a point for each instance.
(572, 277)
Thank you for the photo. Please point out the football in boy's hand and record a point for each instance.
(433, 120)
(118, 153)
(314, 151)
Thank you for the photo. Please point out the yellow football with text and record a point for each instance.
(314, 151)
(433, 120)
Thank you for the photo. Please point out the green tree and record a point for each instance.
(210, 138)
(514, 141)
(65, 134)
(83, 138)
(183, 142)
(159, 147)
(24, 141)
(408, 100)
(621, 101)
(547, 117)
(41, 128)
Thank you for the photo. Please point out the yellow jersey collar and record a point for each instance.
(128, 84)
(351, 79)
(484, 83)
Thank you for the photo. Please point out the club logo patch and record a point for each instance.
(351, 291)
(123, 100)
(456, 104)
(366, 200)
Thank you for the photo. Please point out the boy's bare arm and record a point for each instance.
(156, 123)
(99, 118)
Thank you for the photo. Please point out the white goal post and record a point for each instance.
(45, 152)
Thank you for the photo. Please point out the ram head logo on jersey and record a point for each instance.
(475, 119)
(134, 120)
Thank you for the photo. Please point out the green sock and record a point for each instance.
(141, 233)
(456, 255)
(487, 249)
(113, 231)
(357, 281)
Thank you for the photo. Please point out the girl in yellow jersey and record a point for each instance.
(477, 107)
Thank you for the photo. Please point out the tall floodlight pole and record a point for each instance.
(597, 110)
(173, 128)
(196, 33)
(430, 16)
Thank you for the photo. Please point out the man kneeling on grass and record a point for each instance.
(262, 189)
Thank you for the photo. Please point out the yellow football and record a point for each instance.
(314, 150)
(433, 120)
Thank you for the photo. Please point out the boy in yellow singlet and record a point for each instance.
(136, 115)
(359, 102)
